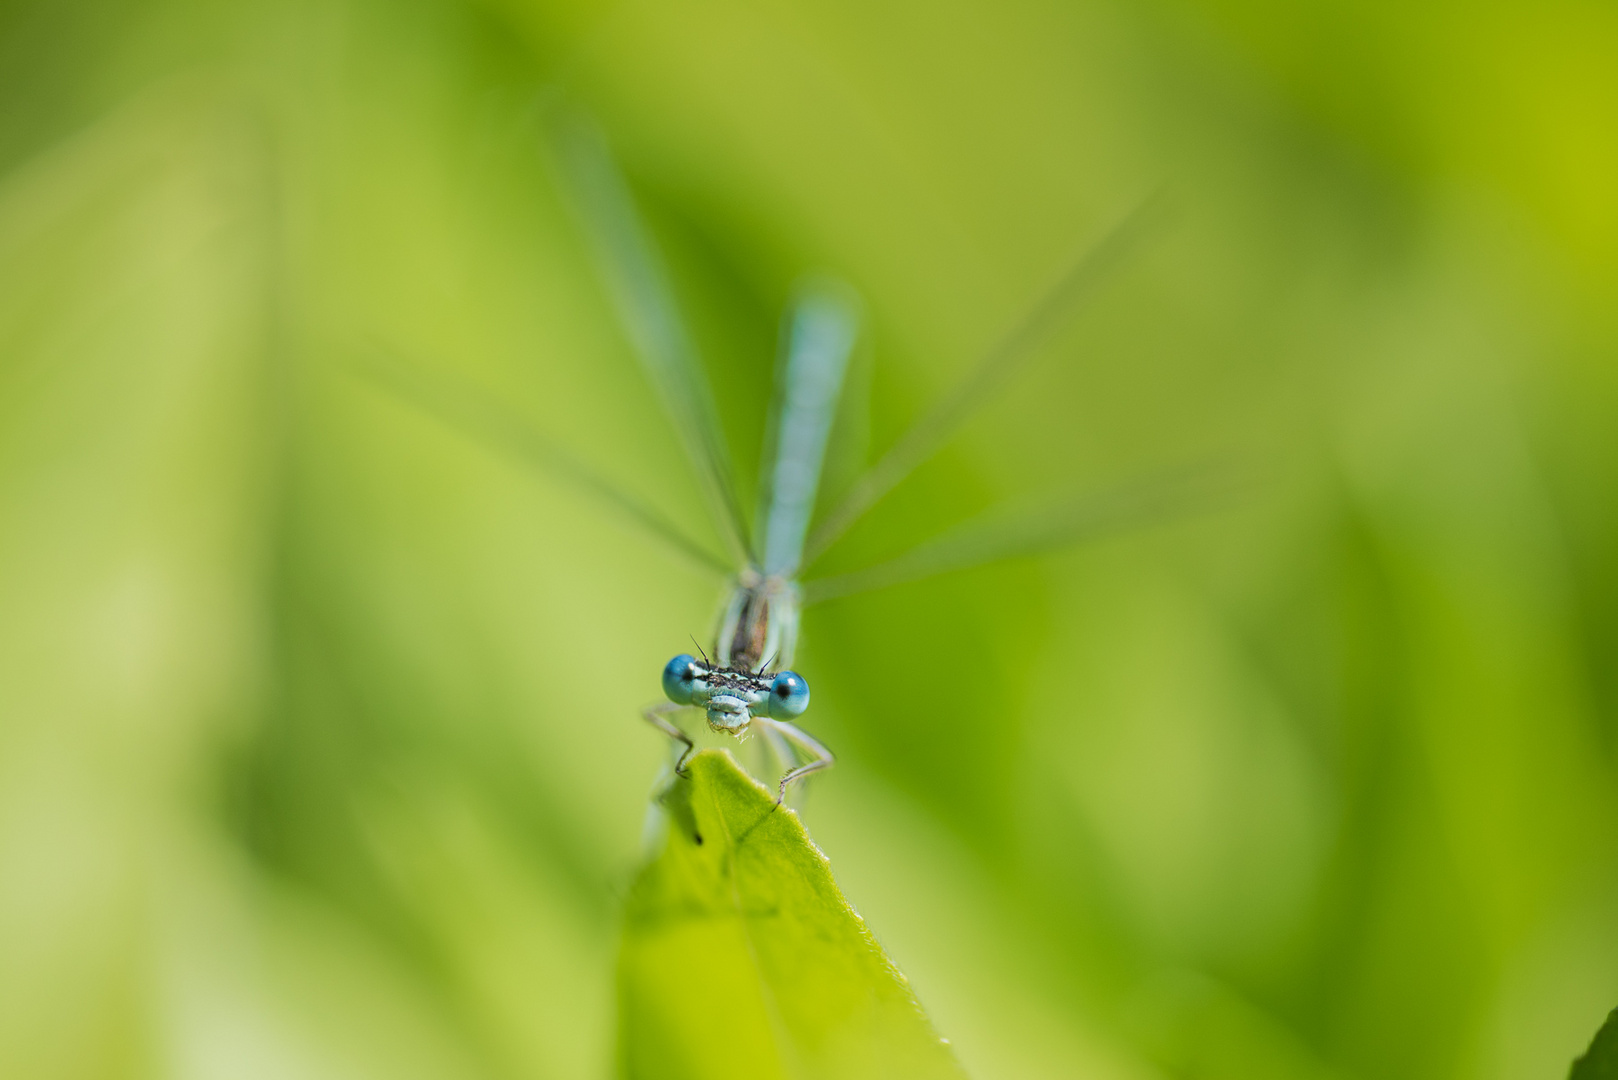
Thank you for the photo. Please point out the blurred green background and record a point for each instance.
(319, 753)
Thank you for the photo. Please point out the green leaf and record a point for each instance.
(1600, 1062)
(742, 958)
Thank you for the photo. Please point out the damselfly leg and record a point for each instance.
(658, 716)
(802, 740)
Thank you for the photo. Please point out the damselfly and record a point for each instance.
(746, 685)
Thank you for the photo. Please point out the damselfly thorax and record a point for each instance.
(758, 628)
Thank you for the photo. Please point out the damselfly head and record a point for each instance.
(732, 698)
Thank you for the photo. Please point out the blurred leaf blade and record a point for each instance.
(742, 958)
(1600, 1062)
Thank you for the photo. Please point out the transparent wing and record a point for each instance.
(997, 367)
(1172, 494)
(646, 304)
(808, 382)
(476, 414)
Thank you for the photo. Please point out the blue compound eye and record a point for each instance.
(680, 678)
(789, 696)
